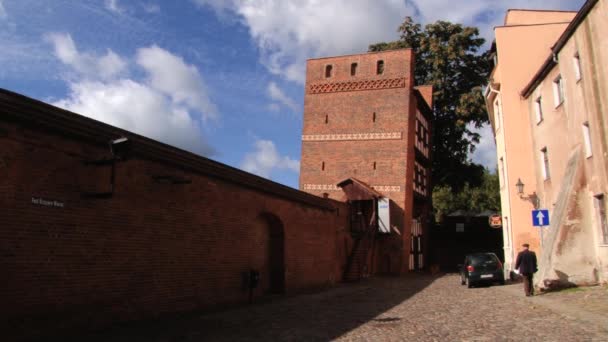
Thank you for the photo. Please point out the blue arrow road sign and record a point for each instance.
(540, 217)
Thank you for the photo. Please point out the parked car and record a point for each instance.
(481, 268)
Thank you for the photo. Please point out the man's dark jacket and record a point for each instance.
(526, 262)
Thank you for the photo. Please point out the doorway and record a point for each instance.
(276, 254)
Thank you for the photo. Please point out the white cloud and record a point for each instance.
(265, 159)
(112, 5)
(288, 32)
(277, 94)
(182, 82)
(169, 105)
(138, 108)
(86, 64)
(485, 150)
(3, 13)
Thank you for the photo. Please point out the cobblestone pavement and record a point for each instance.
(412, 308)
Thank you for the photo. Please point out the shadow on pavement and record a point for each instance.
(320, 316)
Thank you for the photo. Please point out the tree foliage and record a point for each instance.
(474, 199)
(447, 57)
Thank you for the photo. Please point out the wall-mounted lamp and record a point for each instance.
(120, 148)
(532, 198)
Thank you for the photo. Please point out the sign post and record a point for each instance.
(540, 218)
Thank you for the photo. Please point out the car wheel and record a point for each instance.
(502, 281)
(468, 282)
(462, 281)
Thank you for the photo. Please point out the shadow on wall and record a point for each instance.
(320, 316)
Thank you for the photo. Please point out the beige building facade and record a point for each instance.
(520, 47)
(562, 160)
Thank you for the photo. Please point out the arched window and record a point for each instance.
(328, 71)
(353, 69)
(380, 67)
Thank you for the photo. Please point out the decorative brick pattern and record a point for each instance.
(353, 136)
(319, 88)
(332, 187)
(387, 188)
(323, 187)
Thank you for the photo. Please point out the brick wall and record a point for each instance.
(153, 247)
(363, 126)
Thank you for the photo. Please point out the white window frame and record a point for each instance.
(501, 172)
(600, 206)
(544, 162)
(587, 140)
(497, 112)
(507, 232)
(576, 60)
(558, 90)
(538, 109)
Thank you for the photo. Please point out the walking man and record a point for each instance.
(526, 264)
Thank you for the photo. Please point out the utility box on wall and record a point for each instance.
(384, 215)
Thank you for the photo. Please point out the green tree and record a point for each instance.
(448, 58)
(476, 199)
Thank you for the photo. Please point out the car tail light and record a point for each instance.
(470, 268)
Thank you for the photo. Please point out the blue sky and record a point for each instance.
(220, 78)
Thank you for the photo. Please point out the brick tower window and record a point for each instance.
(322, 166)
(374, 117)
(374, 165)
(328, 71)
(380, 67)
(326, 118)
(353, 69)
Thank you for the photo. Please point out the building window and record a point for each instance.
(603, 221)
(322, 166)
(577, 66)
(507, 233)
(380, 67)
(558, 90)
(538, 108)
(544, 154)
(501, 175)
(425, 137)
(587, 138)
(374, 165)
(497, 113)
(326, 118)
(374, 117)
(328, 69)
(353, 69)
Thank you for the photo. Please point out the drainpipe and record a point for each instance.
(509, 232)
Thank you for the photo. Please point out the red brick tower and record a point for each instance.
(363, 118)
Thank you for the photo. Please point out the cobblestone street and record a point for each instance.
(413, 308)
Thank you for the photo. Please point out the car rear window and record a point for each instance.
(481, 259)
